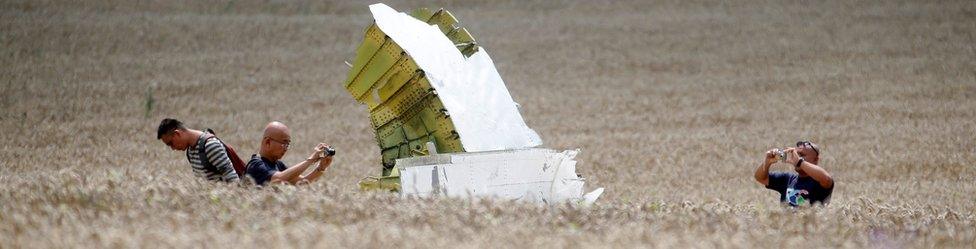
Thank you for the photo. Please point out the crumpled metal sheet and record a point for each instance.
(533, 175)
(432, 83)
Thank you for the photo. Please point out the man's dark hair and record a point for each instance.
(167, 126)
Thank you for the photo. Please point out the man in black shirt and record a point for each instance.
(810, 184)
(267, 167)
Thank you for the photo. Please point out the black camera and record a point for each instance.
(329, 151)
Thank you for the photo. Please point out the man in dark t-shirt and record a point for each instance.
(267, 166)
(810, 184)
(260, 169)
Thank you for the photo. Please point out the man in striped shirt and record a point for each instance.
(217, 167)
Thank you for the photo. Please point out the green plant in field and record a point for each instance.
(229, 6)
(149, 101)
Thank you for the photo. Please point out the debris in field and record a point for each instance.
(539, 175)
(444, 120)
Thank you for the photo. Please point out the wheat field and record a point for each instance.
(672, 104)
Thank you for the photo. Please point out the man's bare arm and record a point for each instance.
(323, 164)
(818, 174)
(291, 175)
(762, 173)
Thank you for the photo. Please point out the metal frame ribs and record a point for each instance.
(403, 107)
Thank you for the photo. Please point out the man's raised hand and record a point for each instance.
(792, 157)
(771, 156)
(317, 152)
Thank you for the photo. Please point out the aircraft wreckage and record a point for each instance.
(445, 123)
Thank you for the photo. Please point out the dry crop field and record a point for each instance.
(672, 102)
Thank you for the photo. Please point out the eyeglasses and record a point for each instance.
(807, 143)
(283, 144)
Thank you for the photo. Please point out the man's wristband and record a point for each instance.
(799, 162)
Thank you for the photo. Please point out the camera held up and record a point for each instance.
(780, 155)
